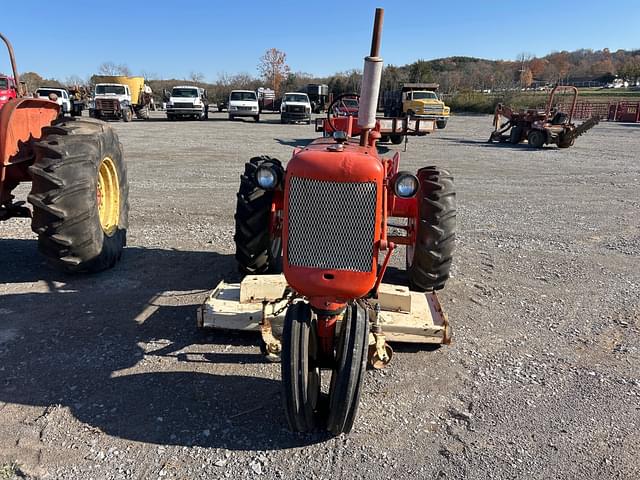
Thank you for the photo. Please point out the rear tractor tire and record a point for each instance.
(429, 260)
(79, 195)
(257, 250)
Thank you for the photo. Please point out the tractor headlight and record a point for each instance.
(405, 185)
(266, 178)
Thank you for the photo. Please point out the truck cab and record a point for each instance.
(188, 101)
(62, 97)
(8, 90)
(111, 100)
(425, 104)
(295, 107)
(244, 103)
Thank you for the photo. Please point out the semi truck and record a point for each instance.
(120, 97)
(416, 100)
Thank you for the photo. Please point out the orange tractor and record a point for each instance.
(78, 181)
(324, 221)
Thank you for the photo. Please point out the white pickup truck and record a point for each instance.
(62, 97)
(244, 103)
(295, 107)
(188, 101)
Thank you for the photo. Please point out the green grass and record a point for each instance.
(486, 103)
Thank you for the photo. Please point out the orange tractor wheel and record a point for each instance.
(79, 195)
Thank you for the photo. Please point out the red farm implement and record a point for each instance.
(552, 125)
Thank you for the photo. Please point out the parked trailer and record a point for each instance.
(318, 96)
(624, 112)
(621, 111)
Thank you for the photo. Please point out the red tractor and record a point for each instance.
(324, 221)
(540, 127)
(78, 181)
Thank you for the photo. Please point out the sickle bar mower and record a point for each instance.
(324, 222)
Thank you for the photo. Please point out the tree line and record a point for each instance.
(454, 74)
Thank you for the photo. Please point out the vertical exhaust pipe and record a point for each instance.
(12, 58)
(371, 82)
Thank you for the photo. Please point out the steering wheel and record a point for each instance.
(338, 103)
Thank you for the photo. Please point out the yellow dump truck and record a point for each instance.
(120, 97)
(416, 100)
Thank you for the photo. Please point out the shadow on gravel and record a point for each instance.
(484, 143)
(74, 339)
(294, 142)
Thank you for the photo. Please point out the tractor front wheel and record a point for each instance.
(351, 363)
(300, 368)
(536, 138)
(429, 259)
(440, 124)
(79, 195)
(515, 136)
(258, 250)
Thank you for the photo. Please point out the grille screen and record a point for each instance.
(331, 224)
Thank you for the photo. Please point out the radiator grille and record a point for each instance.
(183, 105)
(107, 104)
(331, 224)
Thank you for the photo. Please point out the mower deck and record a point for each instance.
(258, 304)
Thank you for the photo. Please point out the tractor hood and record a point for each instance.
(339, 189)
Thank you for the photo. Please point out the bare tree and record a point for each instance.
(74, 80)
(110, 68)
(196, 77)
(273, 68)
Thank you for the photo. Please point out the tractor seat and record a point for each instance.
(560, 118)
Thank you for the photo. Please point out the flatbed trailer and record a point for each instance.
(392, 129)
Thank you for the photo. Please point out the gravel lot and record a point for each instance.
(107, 377)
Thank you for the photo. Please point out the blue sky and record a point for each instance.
(319, 37)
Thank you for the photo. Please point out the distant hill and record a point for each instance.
(468, 73)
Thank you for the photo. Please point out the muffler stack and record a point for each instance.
(371, 82)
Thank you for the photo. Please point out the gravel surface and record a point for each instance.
(107, 377)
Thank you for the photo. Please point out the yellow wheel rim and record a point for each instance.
(108, 196)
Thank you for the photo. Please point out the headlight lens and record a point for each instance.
(405, 185)
(254, 109)
(233, 107)
(4, 97)
(266, 178)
